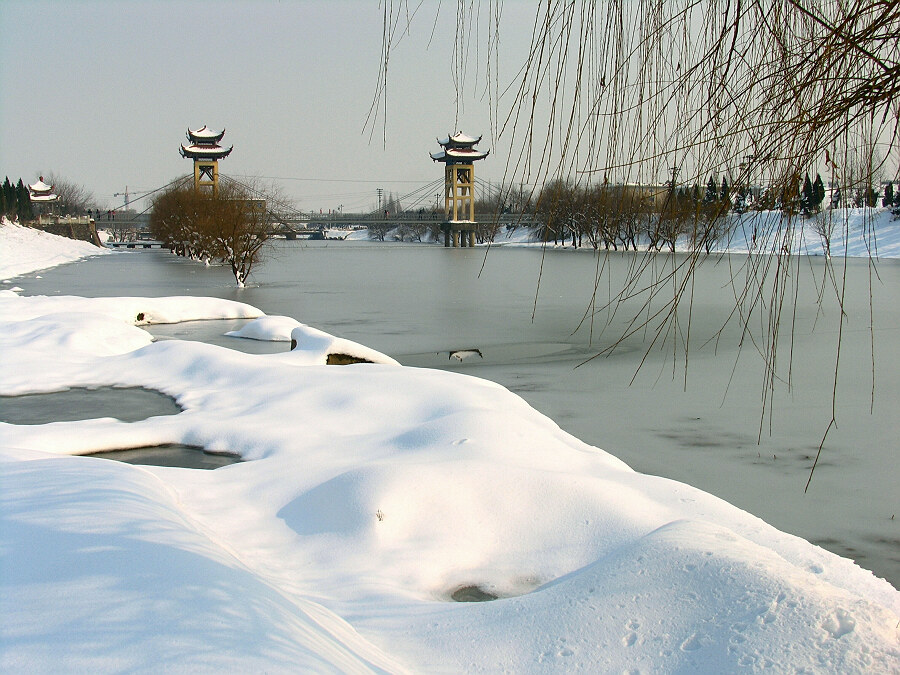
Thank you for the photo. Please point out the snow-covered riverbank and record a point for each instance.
(371, 494)
(24, 250)
(859, 232)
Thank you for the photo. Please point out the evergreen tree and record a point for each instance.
(740, 200)
(818, 192)
(712, 191)
(888, 199)
(24, 208)
(871, 196)
(725, 193)
(836, 198)
(9, 198)
(807, 197)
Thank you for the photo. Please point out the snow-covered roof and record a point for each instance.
(459, 154)
(40, 186)
(210, 151)
(204, 133)
(459, 138)
(44, 197)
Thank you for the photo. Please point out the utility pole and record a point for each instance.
(380, 192)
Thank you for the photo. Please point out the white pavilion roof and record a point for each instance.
(211, 150)
(450, 154)
(40, 186)
(459, 137)
(206, 132)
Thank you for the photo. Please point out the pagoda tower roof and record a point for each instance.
(205, 151)
(459, 139)
(204, 135)
(41, 192)
(203, 143)
(458, 148)
(40, 186)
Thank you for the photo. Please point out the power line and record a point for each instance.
(132, 201)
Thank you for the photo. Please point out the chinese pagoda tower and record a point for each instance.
(41, 195)
(206, 152)
(458, 156)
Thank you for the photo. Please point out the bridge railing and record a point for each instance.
(348, 220)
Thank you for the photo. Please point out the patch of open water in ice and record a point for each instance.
(128, 404)
(472, 594)
(171, 454)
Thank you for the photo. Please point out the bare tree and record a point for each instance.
(378, 229)
(119, 231)
(74, 199)
(231, 227)
(555, 208)
(241, 226)
(177, 218)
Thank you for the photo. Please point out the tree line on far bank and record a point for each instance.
(616, 216)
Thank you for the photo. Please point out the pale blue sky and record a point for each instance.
(102, 93)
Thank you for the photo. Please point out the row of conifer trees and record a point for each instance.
(15, 201)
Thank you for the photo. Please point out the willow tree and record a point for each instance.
(668, 92)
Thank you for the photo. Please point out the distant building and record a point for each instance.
(42, 197)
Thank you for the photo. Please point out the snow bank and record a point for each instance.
(372, 493)
(267, 328)
(317, 346)
(133, 311)
(27, 250)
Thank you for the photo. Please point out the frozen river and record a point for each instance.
(700, 425)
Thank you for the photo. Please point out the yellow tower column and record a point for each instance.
(459, 202)
(206, 176)
(458, 155)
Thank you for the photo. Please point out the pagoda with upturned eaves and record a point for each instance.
(42, 196)
(458, 155)
(206, 152)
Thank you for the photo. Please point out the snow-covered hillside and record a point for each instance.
(24, 249)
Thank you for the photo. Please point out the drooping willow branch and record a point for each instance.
(671, 92)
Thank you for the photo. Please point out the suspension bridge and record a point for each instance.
(416, 209)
